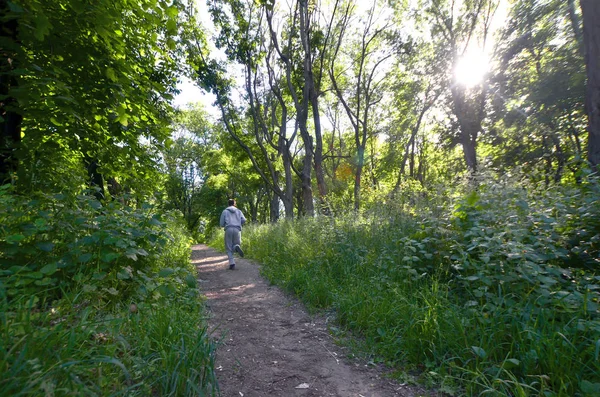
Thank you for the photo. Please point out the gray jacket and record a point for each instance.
(232, 217)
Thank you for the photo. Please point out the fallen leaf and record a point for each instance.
(303, 386)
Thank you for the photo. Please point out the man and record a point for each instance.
(232, 220)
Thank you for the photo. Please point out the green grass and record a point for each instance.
(80, 349)
(473, 299)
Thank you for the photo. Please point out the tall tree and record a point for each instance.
(460, 28)
(262, 135)
(539, 91)
(363, 88)
(591, 35)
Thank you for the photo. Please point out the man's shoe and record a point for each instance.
(238, 249)
(231, 267)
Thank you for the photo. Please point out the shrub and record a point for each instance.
(483, 293)
(97, 299)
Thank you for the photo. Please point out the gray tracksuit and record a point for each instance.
(232, 220)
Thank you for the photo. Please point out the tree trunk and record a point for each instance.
(288, 196)
(411, 167)
(10, 120)
(358, 176)
(274, 208)
(306, 184)
(591, 40)
(96, 180)
(469, 120)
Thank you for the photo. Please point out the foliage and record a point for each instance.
(112, 286)
(477, 289)
(89, 91)
(61, 242)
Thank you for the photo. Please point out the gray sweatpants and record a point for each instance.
(233, 237)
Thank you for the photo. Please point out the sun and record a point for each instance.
(471, 69)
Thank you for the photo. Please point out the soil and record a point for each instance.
(269, 345)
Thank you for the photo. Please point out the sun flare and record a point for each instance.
(471, 69)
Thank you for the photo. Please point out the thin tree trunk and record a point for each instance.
(411, 166)
(591, 39)
(358, 176)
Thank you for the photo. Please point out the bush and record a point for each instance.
(98, 299)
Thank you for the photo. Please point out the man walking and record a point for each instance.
(232, 220)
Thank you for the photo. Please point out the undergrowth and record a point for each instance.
(98, 299)
(495, 292)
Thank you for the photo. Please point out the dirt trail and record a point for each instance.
(270, 345)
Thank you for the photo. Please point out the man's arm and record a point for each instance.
(222, 221)
(243, 219)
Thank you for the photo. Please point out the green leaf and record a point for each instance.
(172, 12)
(190, 280)
(165, 272)
(172, 26)
(479, 351)
(112, 291)
(99, 276)
(49, 269)
(15, 238)
(166, 290)
(15, 7)
(511, 363)
(84, 258)
(45, 246)
(35, 275)
(123, 275)
(592, 389)
(131, 254)
(110, 256)
(45, 282)
(110, 73)
(95, 204)
(42, 26)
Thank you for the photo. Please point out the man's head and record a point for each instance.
(231, 202)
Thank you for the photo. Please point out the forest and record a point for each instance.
(427, 170)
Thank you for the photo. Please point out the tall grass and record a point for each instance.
(494, 295)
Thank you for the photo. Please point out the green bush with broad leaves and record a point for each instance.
(493, 291)
(98, 298)
(55, 243)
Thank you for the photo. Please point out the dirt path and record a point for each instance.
(270, 345)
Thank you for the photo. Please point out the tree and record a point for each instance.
(591, 38)
(87, 91)
(363, 88)
(540, 91)
(460, 28)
